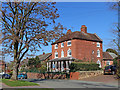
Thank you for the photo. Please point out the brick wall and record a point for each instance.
(65, 48)
(81, 49)
(45, 76)
(84, 74)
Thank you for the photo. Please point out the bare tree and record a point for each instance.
(26, 26)
(116, 31)
(116, 6)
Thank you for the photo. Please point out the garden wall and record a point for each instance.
(84, 74)
(31, 75)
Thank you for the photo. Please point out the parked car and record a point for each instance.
(6, 76)
(22, 76)
(110, 69)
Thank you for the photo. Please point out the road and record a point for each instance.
(102, 81)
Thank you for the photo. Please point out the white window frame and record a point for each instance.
(98, 53)
(108, 62)
(68, 52)
(56, 46)
(93, 51)
(98, 44)
(62, 53)
(62, 44)
(55, 54)
(98, 62)
(68, 42)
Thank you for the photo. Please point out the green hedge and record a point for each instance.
(75, 66)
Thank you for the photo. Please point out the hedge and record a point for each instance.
(75, 66)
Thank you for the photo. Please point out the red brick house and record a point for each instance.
(108, 58)
(75, 45)
(43, 58)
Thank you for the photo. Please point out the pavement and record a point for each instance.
(102, 81)
(73, 84)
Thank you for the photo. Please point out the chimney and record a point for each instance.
(69, 31)
(84, 29)
(43, 53)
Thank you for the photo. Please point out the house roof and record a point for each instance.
(113, 55)
(62, 59)
(2, 62)
(78, 35)
(45, 56)
(106, 55)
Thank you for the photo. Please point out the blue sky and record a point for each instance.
(97, 16)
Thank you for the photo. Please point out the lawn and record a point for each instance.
(35, 89)
(14, 83)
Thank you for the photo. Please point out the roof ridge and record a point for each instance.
(78, 35)
(98, 36)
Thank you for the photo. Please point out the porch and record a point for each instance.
(59, 64)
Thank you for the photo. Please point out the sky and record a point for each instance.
(97, 16)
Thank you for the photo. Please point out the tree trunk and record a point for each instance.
(15, 71)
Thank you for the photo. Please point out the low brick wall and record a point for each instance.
(84, 74)
(45, 76)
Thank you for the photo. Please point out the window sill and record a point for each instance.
(56, 57)
(68, 45)
(69, 56)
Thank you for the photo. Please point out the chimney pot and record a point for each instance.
(69, 31)
(84, 29)
(43, 53)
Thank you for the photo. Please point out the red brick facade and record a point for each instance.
(105, 62)
(81, 49)
(85, 50)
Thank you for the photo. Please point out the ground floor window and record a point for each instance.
(108, 62)
(98, 62)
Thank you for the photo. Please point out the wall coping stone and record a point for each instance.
(91, 71)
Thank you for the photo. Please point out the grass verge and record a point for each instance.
(14, 83)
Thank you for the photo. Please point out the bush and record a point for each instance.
(83, 67)
(43, 68)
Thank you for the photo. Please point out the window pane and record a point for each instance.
(69, 53)
(56, 46)
(62, 53)
(62, 44)
(69, 43)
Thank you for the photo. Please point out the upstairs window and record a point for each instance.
(69, 52)
(98, 44)
(62, 53)
(56, 54)
(69, 43)
(56, 46)
(98, 53)
(92, 51)
(62, 44)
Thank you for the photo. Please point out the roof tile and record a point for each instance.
(78, 35)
